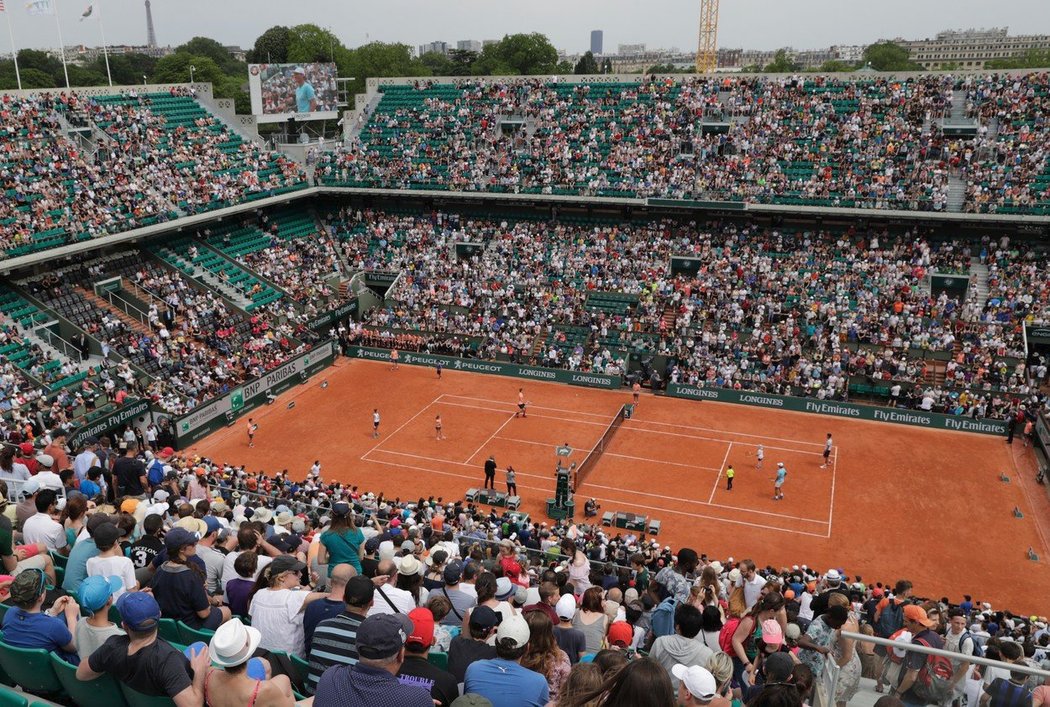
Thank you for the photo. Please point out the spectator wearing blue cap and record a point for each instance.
(371, 681)
(96, 595)
(143, 661)
(178, 585)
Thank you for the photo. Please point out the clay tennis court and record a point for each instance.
(897, 501)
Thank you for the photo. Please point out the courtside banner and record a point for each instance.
(900, 416)
(216, 414)
(109, 422)
(498, 368)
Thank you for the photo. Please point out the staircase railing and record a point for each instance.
(127, 307)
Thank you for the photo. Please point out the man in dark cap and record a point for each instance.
(464, 650)
(381, 651)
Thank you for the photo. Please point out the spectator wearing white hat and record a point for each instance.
(570, 639)
(277, 607)
(502, 679)
(394, 594)
(232, 646)
(696, 685)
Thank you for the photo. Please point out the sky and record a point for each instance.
(750, 24)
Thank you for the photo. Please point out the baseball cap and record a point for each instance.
(139, 610)
(771, 633)
(129, 505)
(30, 487)
(27, 448)
(165, 453)
(95, 591)
(484, 617)
(621, 634)
(422, 627)
(372, 544)
(515, 629)
(914, 612)
(106, 535)
(213, 524)
(359, 591)
(699, 681)
(160, 495)
(178, 538)
(284, 563)
(28, 586)
(95, 520)
(341, 508)
(566, 606)
(299, 70)
(778, 667)
(382, 635)
(453, 572)
(45, 460)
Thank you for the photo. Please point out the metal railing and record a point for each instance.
(827, 682)
(127, 307)
(58, 343)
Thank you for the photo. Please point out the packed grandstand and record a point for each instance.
(649, 171)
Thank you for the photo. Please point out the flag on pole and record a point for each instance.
(2, 8)
(87, 13)
(40, 7)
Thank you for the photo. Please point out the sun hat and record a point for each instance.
(194, 525)
(233, 643)
(504, 589)
(409, 566)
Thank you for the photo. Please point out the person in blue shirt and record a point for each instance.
(91, 486)
(371, 681)
(27, 626)
(83, 550)
(502, 679)
(305, 98)
(778, 485)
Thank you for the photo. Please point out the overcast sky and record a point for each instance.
(752, 24)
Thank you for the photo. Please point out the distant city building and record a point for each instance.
(630, 49)
(468, 45)
(487, 42)
(438, 47)
(597, 37)
(82, 54)
(972, 48)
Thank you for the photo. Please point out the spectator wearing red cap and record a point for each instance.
(417, 670)
(27, 457)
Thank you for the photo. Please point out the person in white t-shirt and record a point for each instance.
(389, 598)
(110, 561)
(751, 581)
(277, 610)
(42, 528)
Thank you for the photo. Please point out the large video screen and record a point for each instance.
(300, 91)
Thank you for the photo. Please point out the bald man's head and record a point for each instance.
(387, 568)
(341, 574)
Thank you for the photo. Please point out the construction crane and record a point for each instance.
(707, 48)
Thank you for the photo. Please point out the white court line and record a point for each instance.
(834, 472)
(728, 432)
(610, 500)
(366, 457)
(714, 439)
(401, 426)
(514, 406)
(491, 437)
(543, 417)
(703, 503)
(660, 461)
(718, 478)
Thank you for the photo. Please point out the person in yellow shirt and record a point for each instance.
(730, 473)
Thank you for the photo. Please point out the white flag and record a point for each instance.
(40, 7)
(87, 13)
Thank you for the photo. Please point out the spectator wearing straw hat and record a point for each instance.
(231, 648)
(371, 681)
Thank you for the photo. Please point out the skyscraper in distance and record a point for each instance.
(596, 41)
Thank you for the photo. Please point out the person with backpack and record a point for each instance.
(1012, 692)
(889, 619)
(925, 678)
(740, 637)
(959, 640)
(156, 472)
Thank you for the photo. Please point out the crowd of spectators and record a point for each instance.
(867, 142)
(329, 590)
(780, 310)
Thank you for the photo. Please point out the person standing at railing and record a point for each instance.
(919, 625)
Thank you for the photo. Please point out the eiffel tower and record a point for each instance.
(151, 36)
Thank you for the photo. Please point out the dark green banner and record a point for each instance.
(917, 418)
(110, 422)
(551, 375)
(216, 414)
(333, 316)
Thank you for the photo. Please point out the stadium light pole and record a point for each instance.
(192, 69)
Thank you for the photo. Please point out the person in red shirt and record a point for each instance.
(27, 457)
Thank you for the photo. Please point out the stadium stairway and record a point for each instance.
(104, 305)
(979, 281)
(956, 193)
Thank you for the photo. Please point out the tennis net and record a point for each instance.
(589, 461)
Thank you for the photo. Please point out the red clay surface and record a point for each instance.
(897, 502)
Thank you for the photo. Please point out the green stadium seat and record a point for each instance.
(31, 669)
(100, 692)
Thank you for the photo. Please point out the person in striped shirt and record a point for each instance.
(335, 639)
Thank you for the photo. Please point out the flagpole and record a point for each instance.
(61, 43)
(14, 50)
(105, 49)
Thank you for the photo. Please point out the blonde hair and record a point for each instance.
(837, 599)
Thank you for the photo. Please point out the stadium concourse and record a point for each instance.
(129, 307)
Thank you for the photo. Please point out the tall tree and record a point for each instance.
(126, 69)
(271, 47)
(175, 68)
(309, 43)
(438, 64)
(781, 64)
(518, 54)
(203, 46)
(462, 61)
(887, 56)
(586, 65)
(1032, 59)
(379, 59)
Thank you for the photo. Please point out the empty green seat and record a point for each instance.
(31, 669)
(100, 692)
